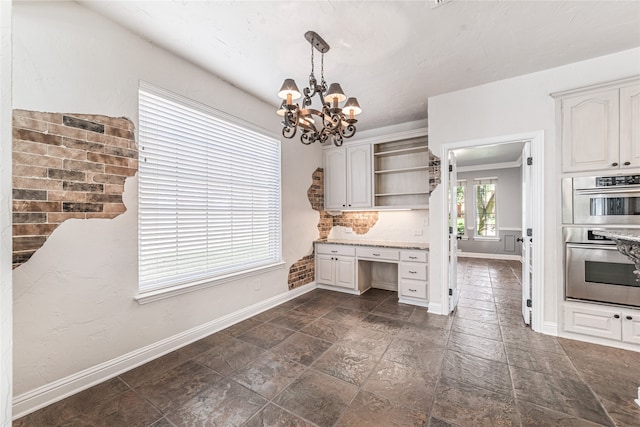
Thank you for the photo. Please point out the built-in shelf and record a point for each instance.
(400, 151)
(400, 194)
(417, 168)
(401, 173)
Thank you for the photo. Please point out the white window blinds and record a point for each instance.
(209, 193)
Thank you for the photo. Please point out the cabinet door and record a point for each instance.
(345, 272)
(630, 126)
(359, 176)
(324, 270)
(631, 328)
(594, 322)
(335, 179)
(590, 131)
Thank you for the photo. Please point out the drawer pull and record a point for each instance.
(616, 316)
(413, 290)
(629, 318)
(334, 252)
(376, 254)
(413, 257)
(413, 272)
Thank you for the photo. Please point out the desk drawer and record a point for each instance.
(413, 288)
(378, 253)
(413, 256)
(336, 250)
(413, 270)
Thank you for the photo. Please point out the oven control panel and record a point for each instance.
(610, 181)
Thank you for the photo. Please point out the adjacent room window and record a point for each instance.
(209, 193)
(460, 210)
(485, 207)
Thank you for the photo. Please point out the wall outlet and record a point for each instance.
(256, 284)
(348, 230)
(417, 232)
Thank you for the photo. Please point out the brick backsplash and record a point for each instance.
(303, 270)
(66, 166)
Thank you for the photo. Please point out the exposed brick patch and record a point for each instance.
(303, 270)
(66, 166)
(434, 171)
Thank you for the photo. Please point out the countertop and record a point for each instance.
(628, 235)
(378, 244)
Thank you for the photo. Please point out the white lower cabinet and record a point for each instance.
(611, 323)
(346, 268)
(336, 266)
(412, 277)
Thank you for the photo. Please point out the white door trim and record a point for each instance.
(536, 139)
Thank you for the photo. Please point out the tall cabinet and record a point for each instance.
(347, 178)
(600, 126)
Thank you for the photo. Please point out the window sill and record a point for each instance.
(160, 294)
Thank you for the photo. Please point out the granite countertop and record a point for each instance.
(628, 235)
(379, 244)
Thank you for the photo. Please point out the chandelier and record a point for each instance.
(328, 122)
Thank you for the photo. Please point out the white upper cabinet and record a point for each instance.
(599, 127)
(347, 177)
(630, 126)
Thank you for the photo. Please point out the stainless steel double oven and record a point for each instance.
(594, 269)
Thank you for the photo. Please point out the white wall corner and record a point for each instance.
(6, 285)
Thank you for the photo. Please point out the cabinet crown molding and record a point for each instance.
(604, 85)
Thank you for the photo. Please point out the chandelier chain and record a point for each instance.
(312, 62)
(322, 82)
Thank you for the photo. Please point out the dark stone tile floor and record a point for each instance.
(331, 359)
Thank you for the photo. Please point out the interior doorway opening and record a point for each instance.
(484, 175)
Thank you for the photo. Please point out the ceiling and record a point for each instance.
(391, 55)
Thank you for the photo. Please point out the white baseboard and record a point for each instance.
(49, 393)
(489, 256)
(550, 328)
(436, 308)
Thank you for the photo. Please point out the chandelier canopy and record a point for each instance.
(330, 121)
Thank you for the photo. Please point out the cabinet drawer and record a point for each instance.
(413, 270)
(378, 253)
(413, 288)
(336, 250)
(594, 322)
(413, 256)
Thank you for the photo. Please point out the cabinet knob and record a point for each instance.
(345, 205)
(614, 164)
(349, 204)
(627, 163)
(629, 318)
(616, 316)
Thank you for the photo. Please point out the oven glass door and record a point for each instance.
(601, 273)
(599, 206)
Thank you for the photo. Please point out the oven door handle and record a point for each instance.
(621, 191)
(611, 247)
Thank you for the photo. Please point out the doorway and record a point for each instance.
(485, 228)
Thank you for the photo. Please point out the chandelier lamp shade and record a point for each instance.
(329, 122)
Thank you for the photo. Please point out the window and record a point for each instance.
(209, 194)
(485, 215)
(460, 211)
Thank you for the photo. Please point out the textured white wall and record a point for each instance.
(77, 290)
(6, 299)
(511, 106)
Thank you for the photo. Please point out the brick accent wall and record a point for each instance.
(66, 166)
(303, 270)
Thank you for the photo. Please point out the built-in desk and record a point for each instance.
(356, 266)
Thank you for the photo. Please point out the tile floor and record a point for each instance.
(331, 359)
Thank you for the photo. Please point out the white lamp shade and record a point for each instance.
(289, 87)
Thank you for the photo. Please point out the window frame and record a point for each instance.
(477, 182)
(275, 261)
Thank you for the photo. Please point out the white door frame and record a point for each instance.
(536, 139)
